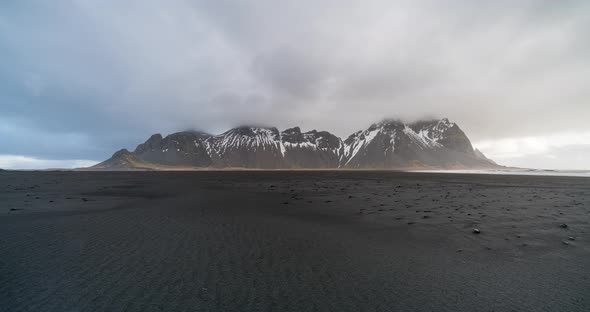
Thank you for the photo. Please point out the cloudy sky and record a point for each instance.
(80, 79)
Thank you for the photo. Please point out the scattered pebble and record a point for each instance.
(476, 231)
(563, 226)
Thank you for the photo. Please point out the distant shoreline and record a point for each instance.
(531, 172)
(506, 171)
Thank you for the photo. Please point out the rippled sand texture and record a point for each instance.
(293, 241)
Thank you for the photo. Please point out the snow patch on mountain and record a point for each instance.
(251, 138)
(390, 143)
(422, 138)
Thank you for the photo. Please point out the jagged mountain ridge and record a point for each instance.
(389, 144)
(392, 143)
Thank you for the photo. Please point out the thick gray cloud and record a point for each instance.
(82, 78)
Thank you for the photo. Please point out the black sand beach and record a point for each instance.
(293, 241)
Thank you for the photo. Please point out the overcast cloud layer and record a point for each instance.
(80, 79)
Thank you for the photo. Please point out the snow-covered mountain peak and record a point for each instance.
(250, 131)
(387, 125)
(313, 138)
(390, 143)
(244, 136)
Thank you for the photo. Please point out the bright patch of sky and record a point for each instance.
(24, 162)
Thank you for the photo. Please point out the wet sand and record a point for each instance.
(293, 241)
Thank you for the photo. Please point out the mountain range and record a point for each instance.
(389, 144)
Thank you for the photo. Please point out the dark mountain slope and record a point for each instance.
(390, 144)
